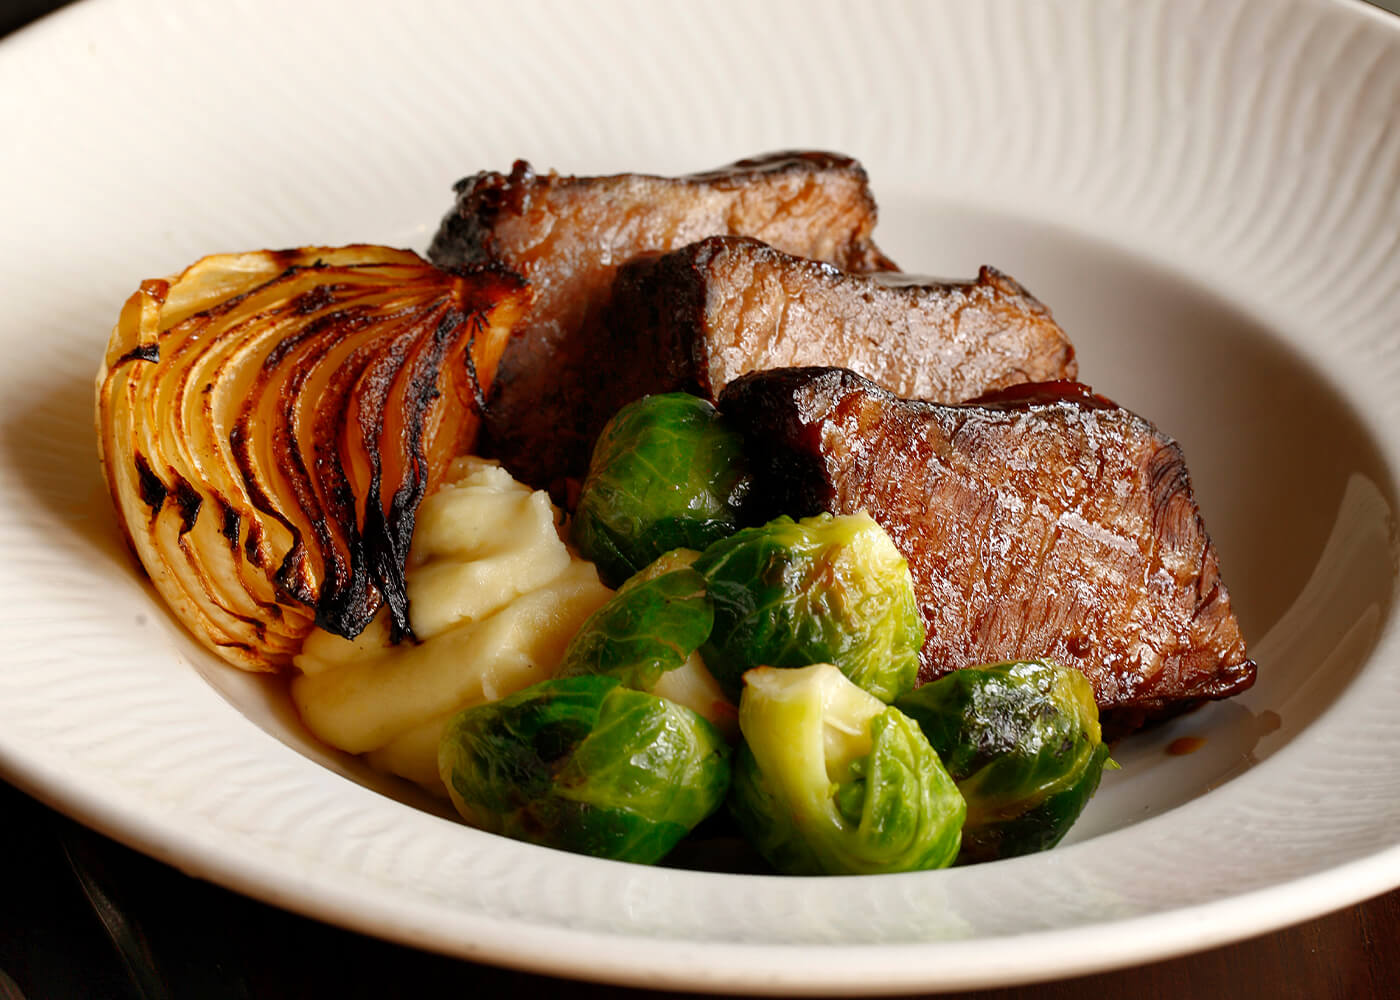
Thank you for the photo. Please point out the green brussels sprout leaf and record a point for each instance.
(664, 563)
(585, 764)
(646, 629)
(1041, 826)
(821, 590)
(1023, 742)
(665, 473)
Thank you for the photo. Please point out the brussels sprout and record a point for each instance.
(647, 628)
(675, 559)
(647, 636)
(821, 590)
(831, 780)
(585, 765)
(1022, 740)
(666, 473)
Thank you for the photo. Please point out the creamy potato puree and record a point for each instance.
(494, 598)
(692, 685)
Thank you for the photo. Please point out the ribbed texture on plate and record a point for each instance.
(1251, 148)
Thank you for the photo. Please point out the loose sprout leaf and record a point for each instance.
(1022, 740)
(821, 590)
(830, 780)
(662, 658)
(665, 563)
(644, 631)
(666, 473)
(586, 765)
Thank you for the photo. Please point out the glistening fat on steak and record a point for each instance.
(1041, 521)
(568, 235)
(699, 317)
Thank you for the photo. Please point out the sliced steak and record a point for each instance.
(699, 317)
(1039, 521)
(568, 235)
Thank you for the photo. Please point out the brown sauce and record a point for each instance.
(1184, 745)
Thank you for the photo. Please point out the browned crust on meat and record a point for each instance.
(568, 235)
(1047, 522)
(699, 317)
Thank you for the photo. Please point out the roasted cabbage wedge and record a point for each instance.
(269, 421)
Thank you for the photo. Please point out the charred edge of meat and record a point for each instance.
(865, 257)
(1011, 288)
(785, 161)
(782, 437)
(1025, 394)
(464, 238)
(658, 301)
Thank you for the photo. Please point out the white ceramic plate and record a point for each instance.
(1208, 195)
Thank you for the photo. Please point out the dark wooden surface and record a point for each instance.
(68, 897)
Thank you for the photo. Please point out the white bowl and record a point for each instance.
(1207, 195)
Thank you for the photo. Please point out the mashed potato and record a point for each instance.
(494, 598)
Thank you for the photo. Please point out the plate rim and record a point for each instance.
(1118, 943)
(1168, 933)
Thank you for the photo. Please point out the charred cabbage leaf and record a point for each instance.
(495, 596)
(268, 423)
(1023, 742)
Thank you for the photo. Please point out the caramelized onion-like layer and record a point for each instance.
(268, 423)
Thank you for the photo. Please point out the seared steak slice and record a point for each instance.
(568, 235)
(1039, 521)
(699, 317)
